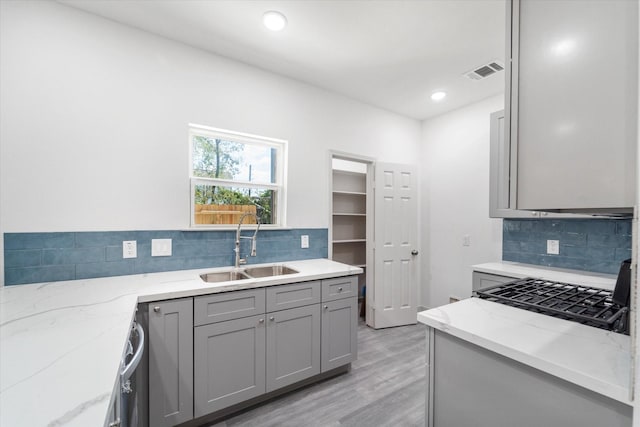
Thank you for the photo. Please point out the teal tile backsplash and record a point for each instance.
(597, 245)
(50, 257)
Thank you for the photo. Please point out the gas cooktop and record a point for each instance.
(583, 304)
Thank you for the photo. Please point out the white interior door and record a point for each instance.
(395, 290)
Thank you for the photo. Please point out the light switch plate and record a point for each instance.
(304, 241)
(160, 247)
(129, 249)
(466, 240)
(553, 247)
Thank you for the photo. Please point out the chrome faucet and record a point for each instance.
(253, 239)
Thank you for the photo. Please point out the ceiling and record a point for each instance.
(392, 54)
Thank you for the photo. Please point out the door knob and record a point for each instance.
(414, 252)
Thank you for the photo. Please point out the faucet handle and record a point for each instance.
(242, 261)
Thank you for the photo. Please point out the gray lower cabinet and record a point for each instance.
(293, 345)
(170, 362)
(229, 360)
(245, 344)
(472, 386)
(485, 280)
(339, 329)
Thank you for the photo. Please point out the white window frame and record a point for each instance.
(279, 186)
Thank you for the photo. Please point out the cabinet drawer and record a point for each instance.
(295, 295)
(228, 306)
(341, 287)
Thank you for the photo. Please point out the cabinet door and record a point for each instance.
(573, 100)
(501, 197)
(293, 345)
(339, 333)
(170, 362)
(229, 363)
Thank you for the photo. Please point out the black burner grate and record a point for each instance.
(583, 304)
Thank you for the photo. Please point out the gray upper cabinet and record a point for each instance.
(502, 195)
(229, 363)
(170, 362)
(571, 104)
(293, 345)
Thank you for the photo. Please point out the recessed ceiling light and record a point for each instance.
(273, 20)
(438, 96)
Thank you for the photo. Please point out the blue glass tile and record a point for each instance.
(104, 269)
(534, 247)
(622, 254)
(573, 239)
(19, 276)
(14, 241)
(72, 255)
(608, 240)
(23, 258)
(623, 227)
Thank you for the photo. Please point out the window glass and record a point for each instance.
(233, 173)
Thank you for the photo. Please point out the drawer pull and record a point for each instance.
(326, 307)
(272, 318)
(261, 320)
(340, 289)
(156, 309)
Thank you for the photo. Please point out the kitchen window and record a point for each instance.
(234, 173)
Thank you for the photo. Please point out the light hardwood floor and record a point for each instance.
(385, 387)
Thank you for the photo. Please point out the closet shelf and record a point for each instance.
(353, 193)
(350, 241)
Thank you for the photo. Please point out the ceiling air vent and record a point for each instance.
(485, 70)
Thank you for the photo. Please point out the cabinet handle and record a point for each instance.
(534, 213)
(545, 213)
(261, 320)
(272, 318)
(156, 309)
(326, 307)
(339, 289)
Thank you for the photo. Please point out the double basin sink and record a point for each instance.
(247, 273)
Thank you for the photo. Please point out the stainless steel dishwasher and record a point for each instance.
(125, 412)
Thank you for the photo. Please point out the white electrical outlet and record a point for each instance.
(160, 247)
(553, 247)
(129, 249)
(304, 241)
(466, 240)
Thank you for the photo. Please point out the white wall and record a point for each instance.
(455, 201)
(94, 121)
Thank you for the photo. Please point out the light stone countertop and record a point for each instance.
(61, 343)
(520, 271)
(593, 358)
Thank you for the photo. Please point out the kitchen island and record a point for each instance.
(494, 365)
(61, 343)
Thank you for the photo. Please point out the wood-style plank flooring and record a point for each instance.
(385, 387)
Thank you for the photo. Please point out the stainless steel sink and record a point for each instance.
(270, 270)
(223, 276)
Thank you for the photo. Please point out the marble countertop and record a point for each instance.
(520, 271)
(589, 357)
(61, 343)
